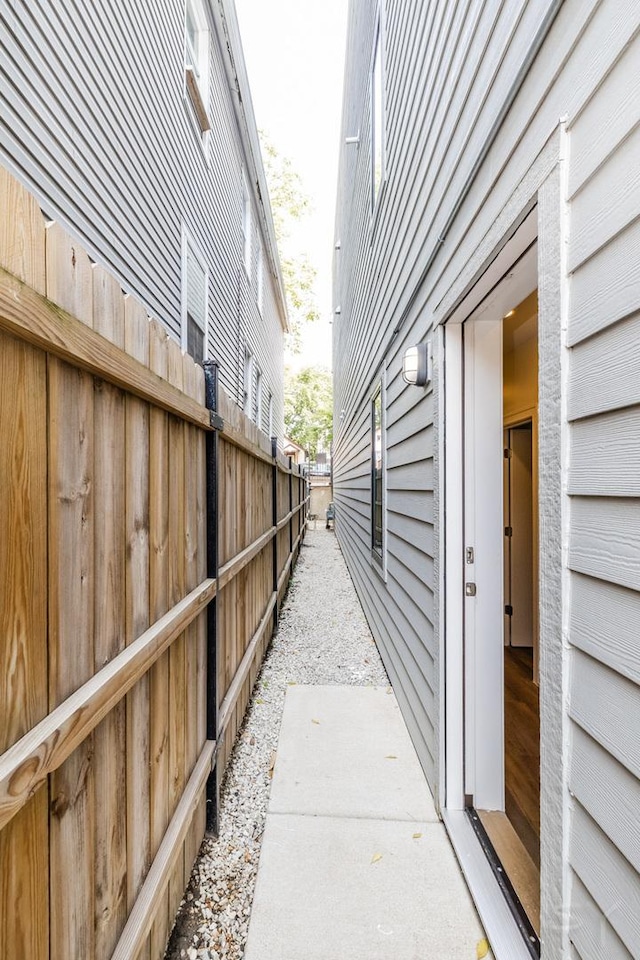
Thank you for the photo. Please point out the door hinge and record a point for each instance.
(469, 589)
(507, 453)
(508, 531)
(508, 609)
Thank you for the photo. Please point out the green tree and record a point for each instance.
(308, 408)
(289, 204)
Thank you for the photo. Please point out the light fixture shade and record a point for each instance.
(416, 364)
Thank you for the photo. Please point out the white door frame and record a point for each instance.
(519, 260)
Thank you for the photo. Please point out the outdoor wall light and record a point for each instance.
(338, 311)
(417, 364)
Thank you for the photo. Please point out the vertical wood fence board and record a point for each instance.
(69, 274)
(109, 557)
(22, 233)
(160, 548)
(24, 881)
(137, 610)
(24, 844)
(71, 609)
(201, 622)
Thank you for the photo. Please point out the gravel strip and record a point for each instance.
(322, 638)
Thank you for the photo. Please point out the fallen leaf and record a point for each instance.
(247, 857)
(391, 756)
(292, 683)
(417, 836)
(272, 763)
(259, 700)
(316, 721)
(389, 690)
(376, 857)
(482, 949)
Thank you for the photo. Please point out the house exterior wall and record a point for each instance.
(561, 123)
(97, 123)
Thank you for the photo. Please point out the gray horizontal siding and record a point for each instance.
(609, 878)
(448, 66)
(603, 623)
(449, 70)
(591, 934)
(96, 123)
(604, 547)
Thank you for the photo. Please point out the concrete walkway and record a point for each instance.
(355, 864)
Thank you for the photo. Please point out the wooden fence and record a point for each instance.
(146, 543)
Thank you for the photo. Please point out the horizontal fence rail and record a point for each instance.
(125, 667)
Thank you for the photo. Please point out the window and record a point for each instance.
(195, 277)
(246, 226)
(377, 117)
(377, 475)
(196, 62)
(260, 280)
(259, 398)
(248, 383)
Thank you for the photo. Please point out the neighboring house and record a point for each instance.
(489, 214)
(292, 449)
(133, 126)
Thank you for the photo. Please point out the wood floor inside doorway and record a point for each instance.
(515, 835)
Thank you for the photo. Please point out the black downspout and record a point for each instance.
(211, 400)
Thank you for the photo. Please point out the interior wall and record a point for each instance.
(520, 359)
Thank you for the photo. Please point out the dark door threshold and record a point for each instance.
(529, 935)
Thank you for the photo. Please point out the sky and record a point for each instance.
(294, 52)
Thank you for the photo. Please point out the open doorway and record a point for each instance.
(502, 724)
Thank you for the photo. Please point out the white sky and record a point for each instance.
(294, 51)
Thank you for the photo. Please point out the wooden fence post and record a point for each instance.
(211, 401)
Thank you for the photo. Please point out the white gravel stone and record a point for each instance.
(322, 638)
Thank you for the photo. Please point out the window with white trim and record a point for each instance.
(377, 116)
(260, 280)
(196, 62)
(246, 225)
(195, 281)
(248, 383)
(377, 476)
(259, 398)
